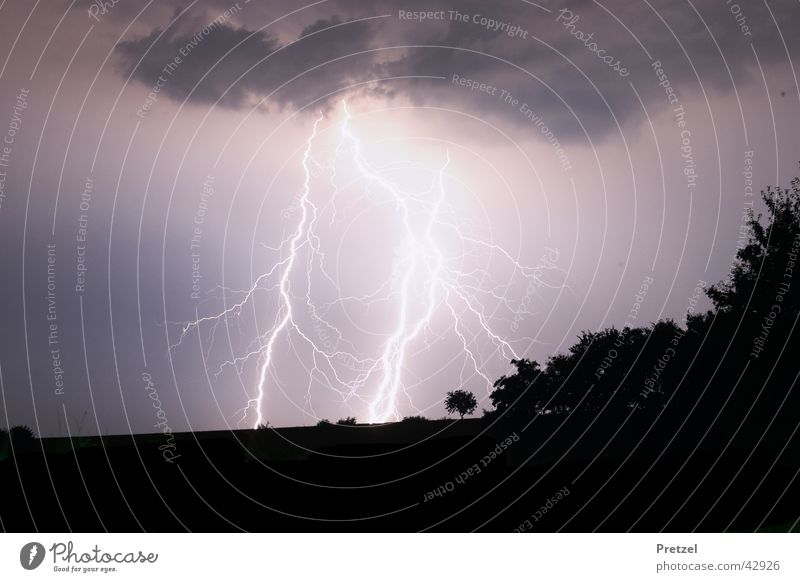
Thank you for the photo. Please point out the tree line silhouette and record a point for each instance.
(739, 356)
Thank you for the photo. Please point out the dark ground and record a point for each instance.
(570, 474)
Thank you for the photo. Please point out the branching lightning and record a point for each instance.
(428, 280)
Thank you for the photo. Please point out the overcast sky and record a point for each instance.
(594, 161)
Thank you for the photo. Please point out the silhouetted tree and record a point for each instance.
(348, 421)
(755, 332)
(515, 393)
(460, 401)
(761, 263)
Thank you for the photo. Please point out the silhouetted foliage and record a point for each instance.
(762, 260)
(461, 402)
(348, 421)
(624, 368)
(21, 439)
(514, 392)
(323, 422)
(415, 418)
(5, 443)
(644, 369)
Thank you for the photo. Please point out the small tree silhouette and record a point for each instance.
(349, 421)
(460, 401)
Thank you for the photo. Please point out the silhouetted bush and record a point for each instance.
(348, 421)
(21, 438)
(4, 444)
(414, 418)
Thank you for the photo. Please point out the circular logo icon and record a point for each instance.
(31, 555)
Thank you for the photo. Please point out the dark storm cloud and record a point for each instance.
(219, 61)
(530, 52)
(557, 73)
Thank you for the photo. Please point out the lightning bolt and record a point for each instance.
(426, 280)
